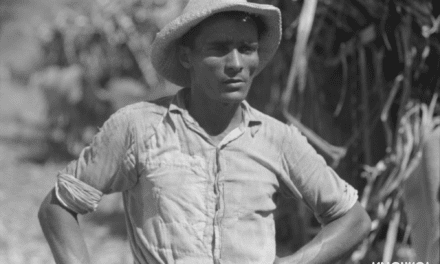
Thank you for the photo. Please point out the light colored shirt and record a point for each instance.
(188, 200)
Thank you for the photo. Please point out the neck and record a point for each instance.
(214, 117)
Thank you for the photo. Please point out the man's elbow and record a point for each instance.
(364, 222)
(365, 226)
(44, 211)
(51, 211)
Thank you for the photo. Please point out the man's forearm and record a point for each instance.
(334, 240)
(62, 232)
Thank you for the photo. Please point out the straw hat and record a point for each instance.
(164, 53)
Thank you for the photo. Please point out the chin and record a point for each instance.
(233, 98)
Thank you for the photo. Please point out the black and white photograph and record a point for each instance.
(219, 132)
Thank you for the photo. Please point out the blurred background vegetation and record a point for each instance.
(359, 78)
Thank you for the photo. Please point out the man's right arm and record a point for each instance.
(61, 229)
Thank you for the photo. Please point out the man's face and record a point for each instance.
(223, 59)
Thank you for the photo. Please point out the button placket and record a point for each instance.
(216, 221)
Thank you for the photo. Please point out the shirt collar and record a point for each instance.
(178, 104)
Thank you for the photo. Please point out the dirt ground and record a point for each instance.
(24, 178)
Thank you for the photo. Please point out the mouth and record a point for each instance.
(233, 81)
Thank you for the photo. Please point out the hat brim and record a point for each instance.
(164, 52)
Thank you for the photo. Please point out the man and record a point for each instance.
(201, 171)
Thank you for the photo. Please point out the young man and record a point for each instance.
(201, 171)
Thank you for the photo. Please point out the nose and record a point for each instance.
(234, 62)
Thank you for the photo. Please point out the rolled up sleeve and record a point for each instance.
(308, 178)
(108, 165)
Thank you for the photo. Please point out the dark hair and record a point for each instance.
(188, 39)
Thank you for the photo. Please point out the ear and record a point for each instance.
(184, 57)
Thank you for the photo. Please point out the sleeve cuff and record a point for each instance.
(77, 195)
(349, 198)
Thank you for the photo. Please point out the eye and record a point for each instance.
(248, 48)
(219, 48)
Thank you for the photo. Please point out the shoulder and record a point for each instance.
(270, 124)
(141, 115)
(276, 131)
(157, 107)
(144, 111)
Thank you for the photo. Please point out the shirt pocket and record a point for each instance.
(180, 185)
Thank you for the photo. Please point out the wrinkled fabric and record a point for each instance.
(82, 198)
(188, 200)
